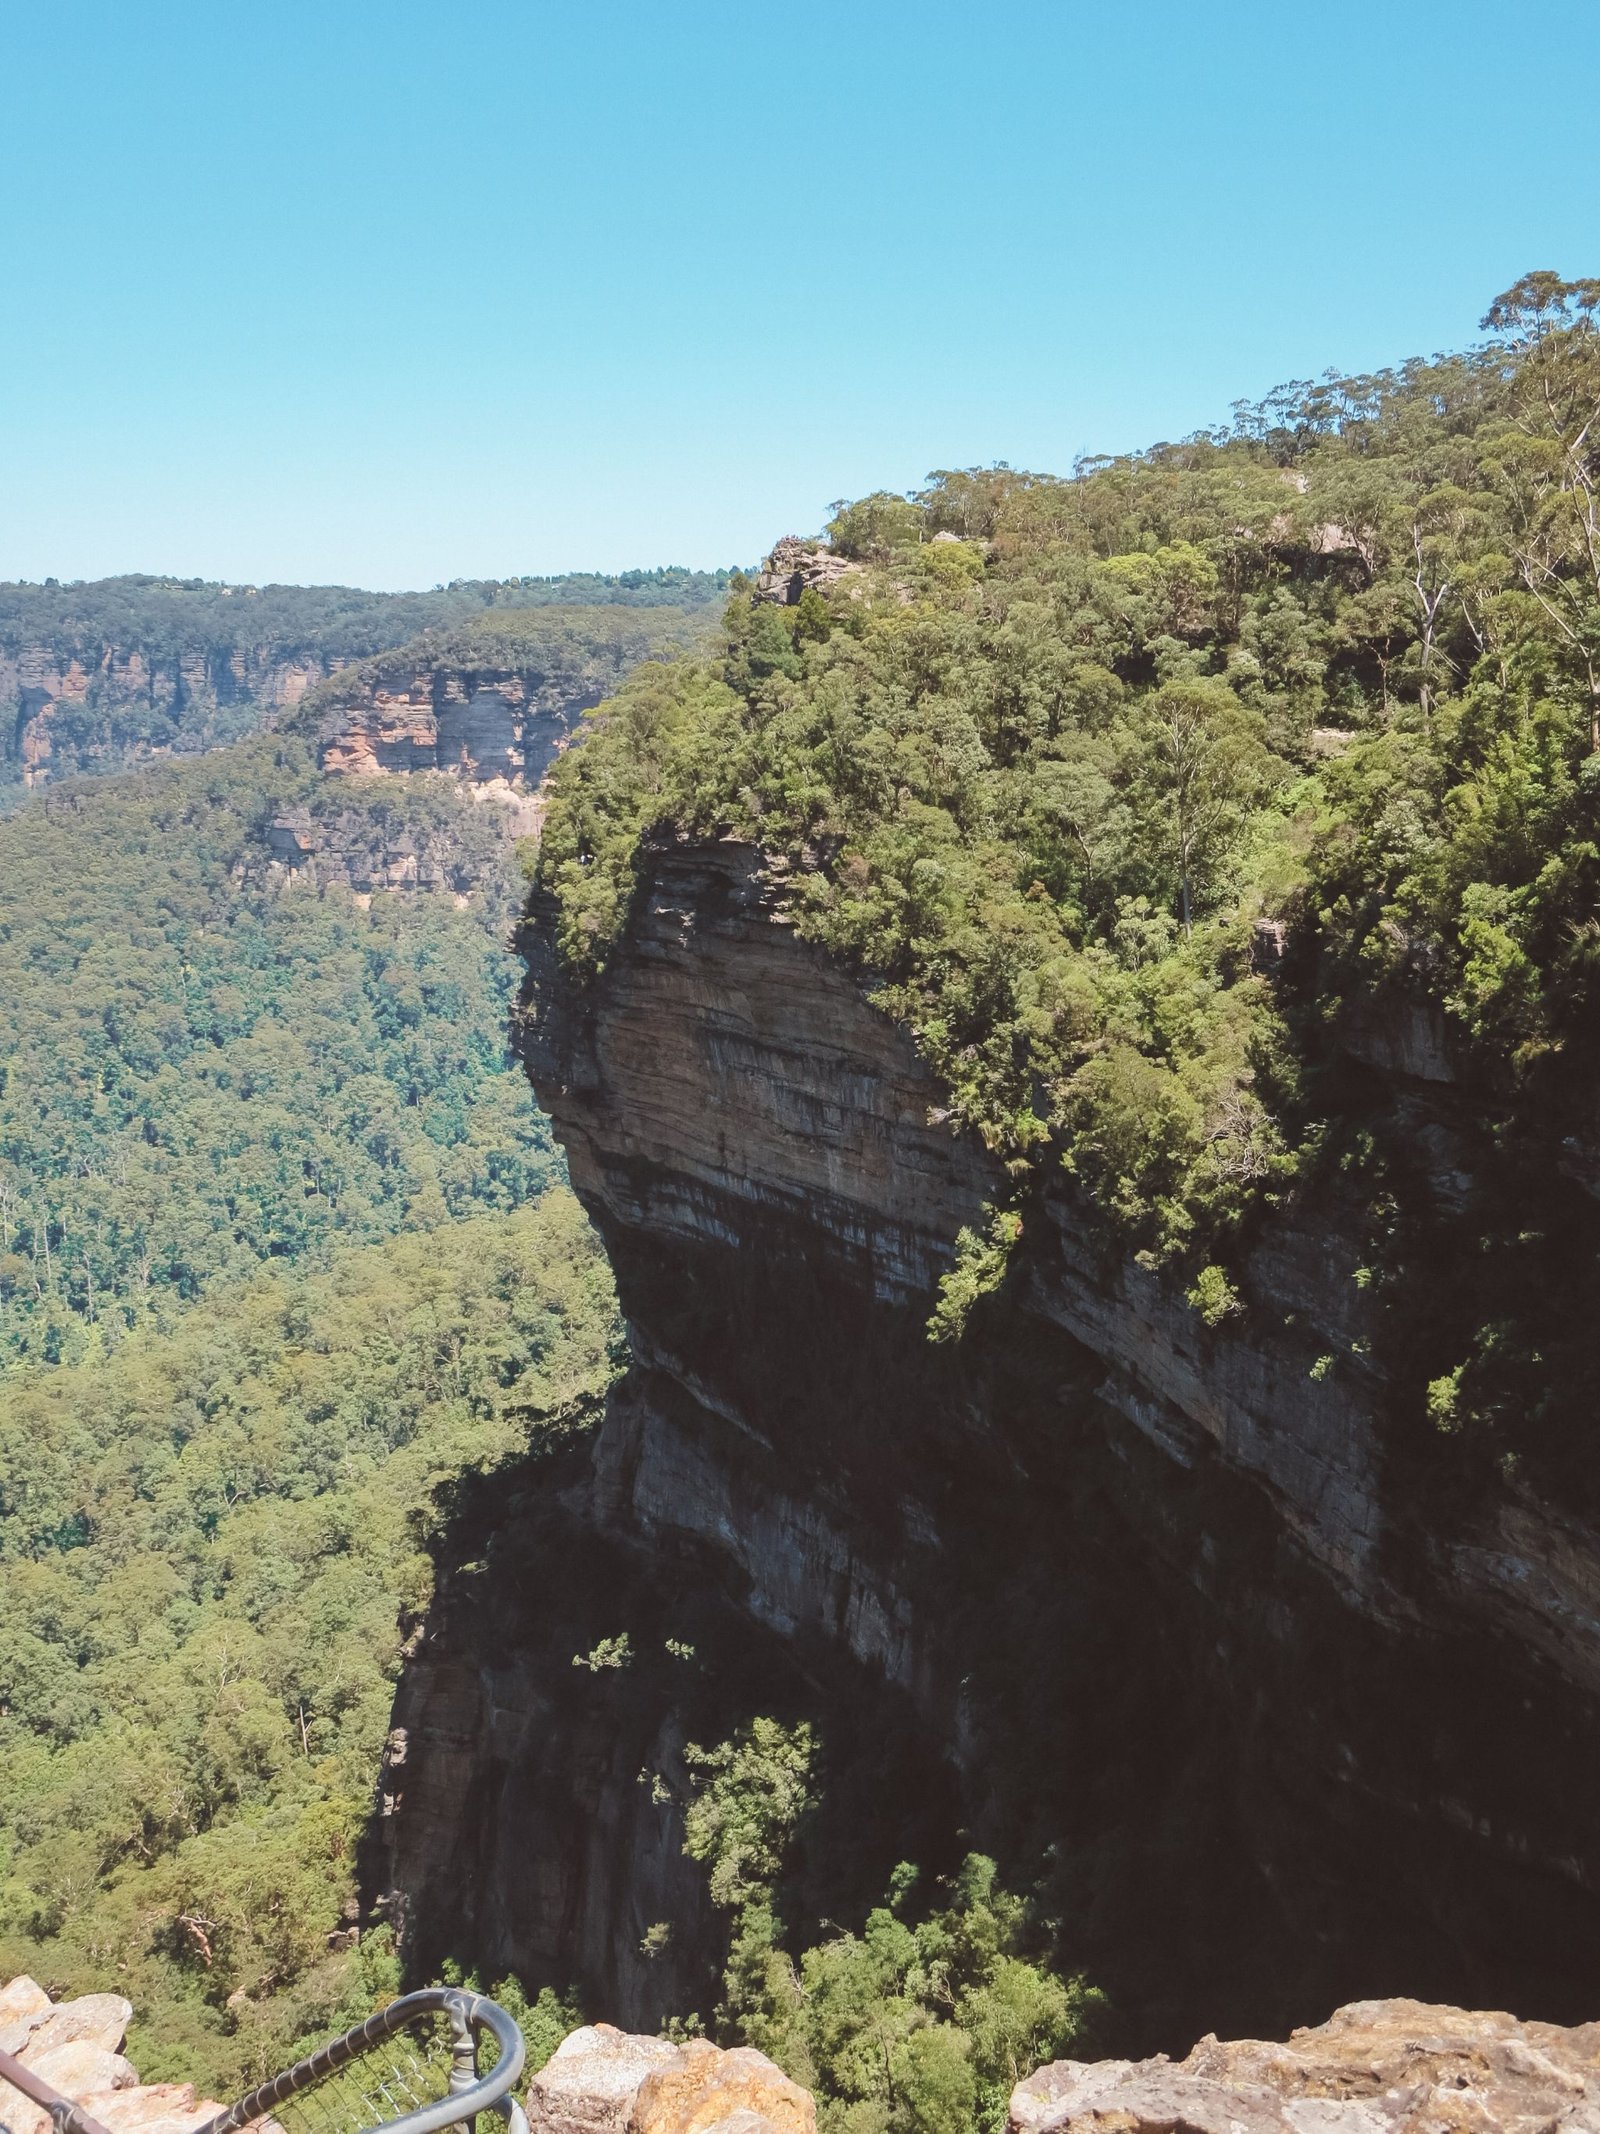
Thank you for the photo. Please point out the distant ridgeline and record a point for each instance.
(97, 676)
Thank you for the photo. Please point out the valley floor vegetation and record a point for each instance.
(284, 1254)
(212, 1542)
(203, 1068)
(1117, 787)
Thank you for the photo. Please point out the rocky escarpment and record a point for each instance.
(72, 711)
(482, 723)
(1151, 1610)
(455, 848)
(496, 700)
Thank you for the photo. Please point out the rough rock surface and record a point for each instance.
(796, 566)
(482, 724)
(76, 2047)
(601, 2080)
(124, 689)
(1144, 1598)
(369, 850)
(1375, 2067)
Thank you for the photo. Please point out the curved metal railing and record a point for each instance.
(380, 2075)
(410, 2069)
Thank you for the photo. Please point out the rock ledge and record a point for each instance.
(1375, 2067)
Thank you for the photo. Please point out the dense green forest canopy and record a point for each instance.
(211, 1542)
(921, 2023)
(202, 1069)
(1064, 760)
(277, 1266)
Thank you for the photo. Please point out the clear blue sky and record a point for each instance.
(394, 293)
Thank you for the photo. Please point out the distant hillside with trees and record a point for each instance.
(99, 675)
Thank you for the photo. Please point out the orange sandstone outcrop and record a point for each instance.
(601, 2080)
(76, 2047)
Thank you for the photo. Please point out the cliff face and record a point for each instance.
(72, 713)
(480, 722)
(1149, 1609)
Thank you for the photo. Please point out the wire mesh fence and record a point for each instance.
(413, 2068)
(398, 2075)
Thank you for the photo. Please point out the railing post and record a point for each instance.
(463, 2054)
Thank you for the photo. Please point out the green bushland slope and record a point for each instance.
(212, 1541)
(1046, 761)
(200, 1071)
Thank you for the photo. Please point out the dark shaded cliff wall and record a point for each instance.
(1146, 1610)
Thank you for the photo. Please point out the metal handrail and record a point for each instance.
(65, 2116)
(470, 2092)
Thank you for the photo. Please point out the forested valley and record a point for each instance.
(285, 1254)
(1113, 788)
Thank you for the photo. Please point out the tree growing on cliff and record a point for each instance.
(923, 2021)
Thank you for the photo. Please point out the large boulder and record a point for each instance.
(93, 2019)
(74, 2047)
(588, 2084)
(737, 2092)
(601, 2080)
(1375, 2067)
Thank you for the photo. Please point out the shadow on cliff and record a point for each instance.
(531, 1816)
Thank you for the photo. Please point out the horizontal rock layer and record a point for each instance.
(481, 723)
(133, 705)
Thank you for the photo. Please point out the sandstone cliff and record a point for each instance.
(495, 700)
(1152, 1611)
(116, 704)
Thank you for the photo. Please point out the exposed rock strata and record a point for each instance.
(1148, 1606)
(136, 706)
(454, 849)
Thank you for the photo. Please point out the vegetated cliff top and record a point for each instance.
(164, 615)
(1134, 792)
